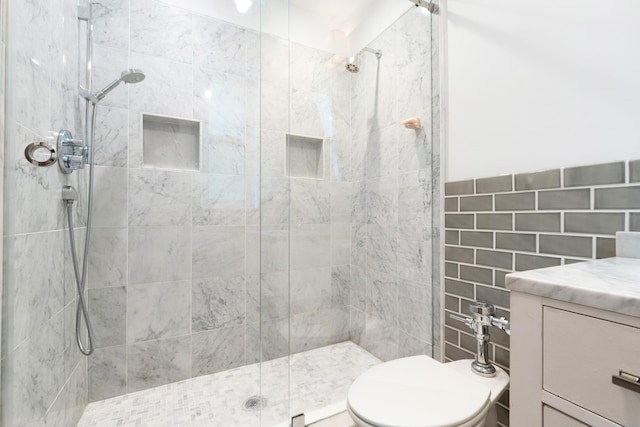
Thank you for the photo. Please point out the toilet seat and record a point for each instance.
(417, 392)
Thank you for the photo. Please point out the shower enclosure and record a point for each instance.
(264, 227)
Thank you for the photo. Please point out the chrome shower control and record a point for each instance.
(483, 316)
(72, 153)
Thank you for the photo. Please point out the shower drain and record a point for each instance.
(255, 403)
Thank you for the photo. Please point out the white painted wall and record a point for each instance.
(540, 85)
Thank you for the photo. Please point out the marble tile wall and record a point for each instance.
(190, 268)
(394, 237)
(525, 221)
(43, 375)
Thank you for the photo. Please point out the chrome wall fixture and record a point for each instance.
(429, 5)
(72, 153)
(483, 316)
(354, 68)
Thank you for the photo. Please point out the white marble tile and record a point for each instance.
(171, 143)
(359, 241)
(107, 373)
(274, 56)
(312, 114)
(338, 160)
(110, 197)
(159, 29)
(274, 103)
(310, 290)
(271, 154)
(108, 65)
(310, 68)
(218, 251)
(219, 46)
(222, 154)
(107, 257)
(358, 288)
(267, 248)
(111, 26)
(268, 200)
(382, 255)
(381, 156)
(158, 197)
(70, 403)
(32, 53)
(310, 201)
(218, 350)
(154, 363)
(380, 338)
(158, 310)
(412, 346)
(310, 246)
(382, 296)
(35, 374)
(221, 100)
(415, 259)
(32, 191)
(340, 244)
(218, 199)
(313, 329)
(108, 309)
(415, 196)
(34, 284)
(382, 201)
(159, 254)
(218, 303)
(166, 90)
(415, 149)
(415, 300)
(111, 137)
(269, 296)
(319, 377)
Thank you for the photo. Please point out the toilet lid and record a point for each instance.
(416, 392)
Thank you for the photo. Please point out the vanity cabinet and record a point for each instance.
(567, 357)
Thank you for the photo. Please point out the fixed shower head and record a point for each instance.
(132, 75)
(351, 65)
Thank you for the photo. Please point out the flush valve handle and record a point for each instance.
(483, 317)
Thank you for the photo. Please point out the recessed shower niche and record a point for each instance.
(304, 157)
(170, 142)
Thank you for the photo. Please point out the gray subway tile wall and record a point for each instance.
(548, 218)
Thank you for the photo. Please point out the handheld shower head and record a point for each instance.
(130, 76)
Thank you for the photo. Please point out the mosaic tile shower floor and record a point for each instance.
(318, 378)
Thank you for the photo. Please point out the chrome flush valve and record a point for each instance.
(483, 316)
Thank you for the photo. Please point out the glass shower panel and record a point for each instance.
(269, 278)
(363, 239)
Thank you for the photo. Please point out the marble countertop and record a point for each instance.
(611, 284)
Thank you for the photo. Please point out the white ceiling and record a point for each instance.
(312, 23)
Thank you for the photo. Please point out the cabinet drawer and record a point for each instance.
(580, 355)
(553, 418)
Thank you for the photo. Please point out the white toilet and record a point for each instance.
(421, 392)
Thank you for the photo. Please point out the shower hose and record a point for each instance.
(81, 277)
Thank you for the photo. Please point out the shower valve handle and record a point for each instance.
(73, 153)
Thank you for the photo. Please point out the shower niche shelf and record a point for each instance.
(170, 142)
(305, 157)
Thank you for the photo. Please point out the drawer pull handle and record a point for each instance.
(626, 380)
